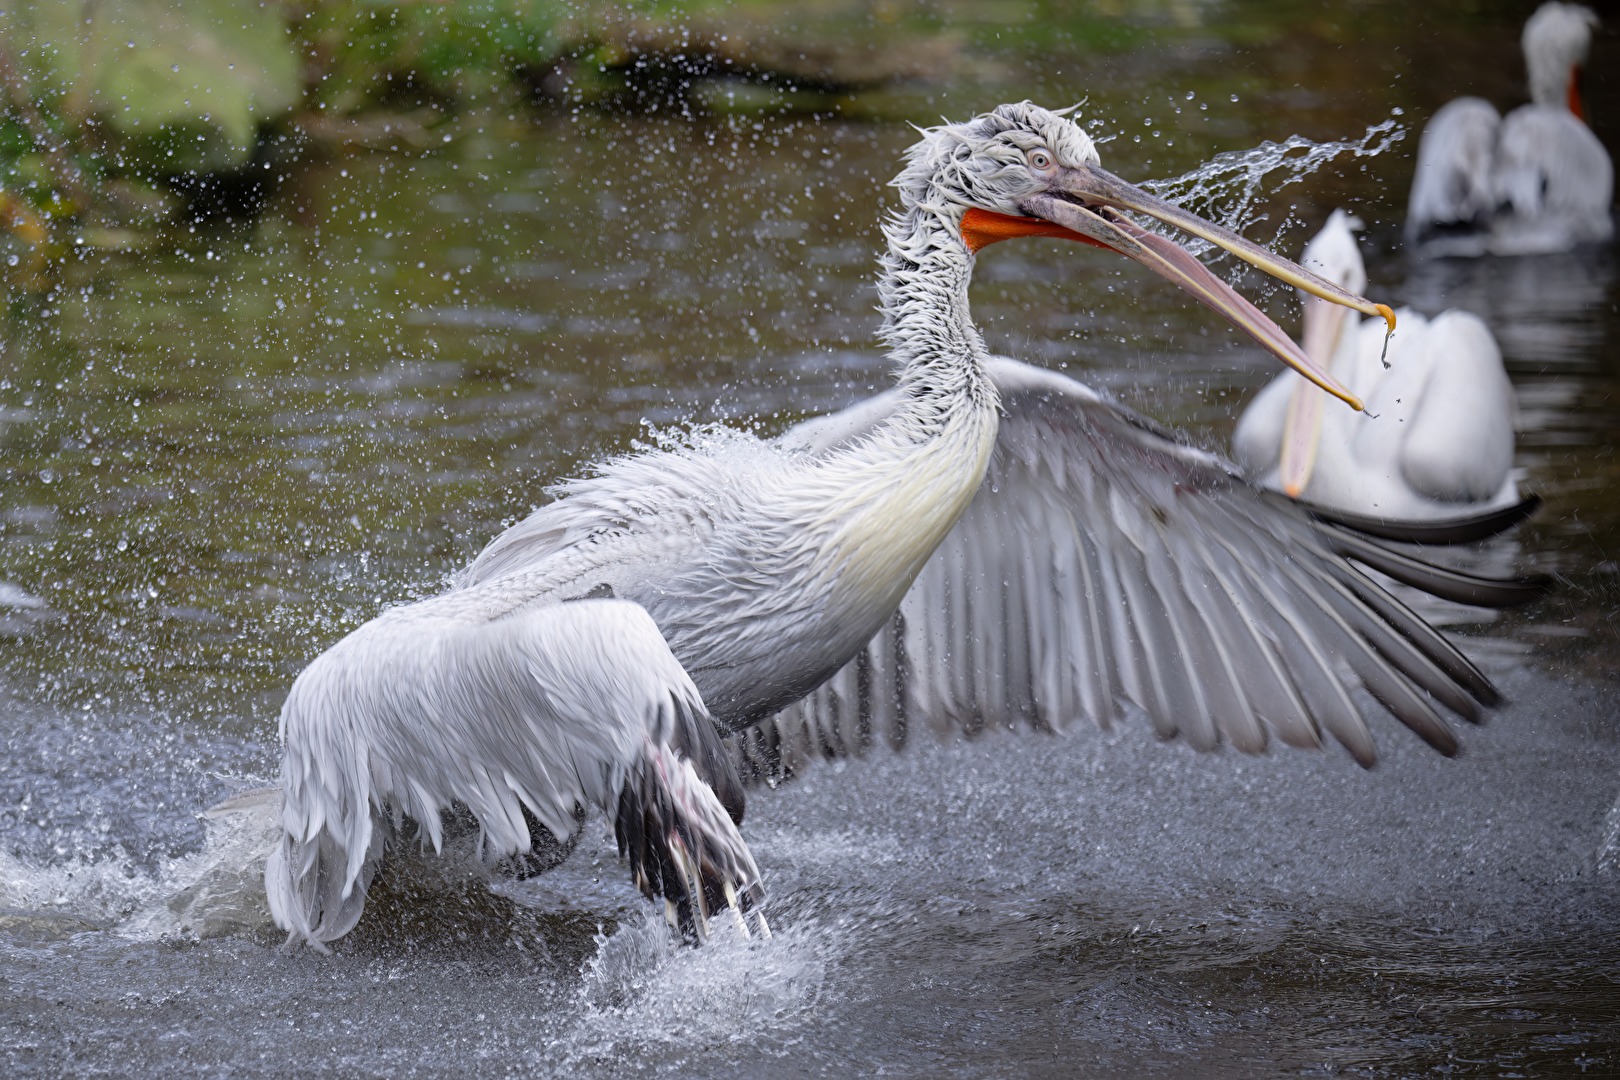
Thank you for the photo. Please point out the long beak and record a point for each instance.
(1302, 436)
(1302, 425)
(1085, 201)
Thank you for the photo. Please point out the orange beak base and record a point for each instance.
(984, 227)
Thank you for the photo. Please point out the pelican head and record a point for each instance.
(1022, 170)
(1556, 40)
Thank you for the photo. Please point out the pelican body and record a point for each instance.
(1436, 440)
(1535, 182)
(594, 654)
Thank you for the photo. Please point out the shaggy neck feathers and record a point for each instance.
(903, 490)
(926, 322)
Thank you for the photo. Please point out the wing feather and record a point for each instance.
(1398, 651)
(1134, 625)
(1097, 578)
(1065, 630)
(1386, 682)
(1197, 721)
(982, 608)
(1106, 568)
(536, 713)
(1273, 700)
(959, 646)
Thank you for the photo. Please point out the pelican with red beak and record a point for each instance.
(985, 539)
(1535, 182)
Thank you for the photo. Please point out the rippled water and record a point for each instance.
(217, 457)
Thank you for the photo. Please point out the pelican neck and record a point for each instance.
(927, 323)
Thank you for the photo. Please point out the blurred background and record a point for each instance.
(306, 300)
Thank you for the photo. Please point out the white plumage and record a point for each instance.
(453, 700)
(1535, 182)
(1436, 440)
(593, 654)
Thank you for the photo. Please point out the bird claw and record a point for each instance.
(736, 914)
(688, 914)
(692, 907)
(741, 908)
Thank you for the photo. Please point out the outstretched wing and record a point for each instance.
(534, 713)
(1106, 569)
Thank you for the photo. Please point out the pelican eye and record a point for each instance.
(1040, 159)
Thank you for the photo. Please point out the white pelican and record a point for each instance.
(591, 655)
(1536, 182)
(1437, 438)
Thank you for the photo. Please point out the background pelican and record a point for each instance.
(1437, 438)
(1538, 181)
(590, 654)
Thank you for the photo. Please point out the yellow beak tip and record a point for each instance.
(1293, 491)
(1389, 316)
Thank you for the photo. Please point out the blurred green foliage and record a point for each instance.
(147, 87)
(364, 53)
(108, 103)
(111, 106)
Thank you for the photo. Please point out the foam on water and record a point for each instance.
(1226, 188)
(1608, 851)
(835, 847)
(93, 890)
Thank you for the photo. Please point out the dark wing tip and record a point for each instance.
(1487, 695)
(1454, 585)
(1464, 529)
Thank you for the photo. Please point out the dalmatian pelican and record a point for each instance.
(1535, 182)
(984, 537)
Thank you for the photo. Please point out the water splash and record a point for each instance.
(642, 989)
(207, 893)
(1608, 851)
(96, 891)
(218, 890)
(1227, 188)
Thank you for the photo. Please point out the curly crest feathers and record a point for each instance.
(980, 162)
